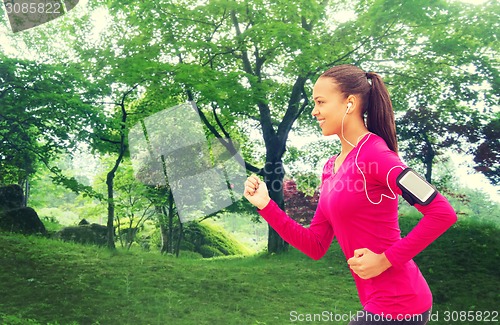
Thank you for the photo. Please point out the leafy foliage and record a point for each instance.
(249, 65)
(46, 110)
(487, 155)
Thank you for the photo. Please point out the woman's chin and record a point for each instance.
(326, 132)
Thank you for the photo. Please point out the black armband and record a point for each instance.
(415, 188)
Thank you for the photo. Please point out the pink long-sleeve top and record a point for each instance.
(358, 206)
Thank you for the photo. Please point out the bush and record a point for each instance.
(51, 224)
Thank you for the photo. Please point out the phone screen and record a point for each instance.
(416, 185)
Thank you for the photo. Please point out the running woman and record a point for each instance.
(358, 202)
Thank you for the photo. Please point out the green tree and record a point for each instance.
(427, 132)
(133, 207)
(250, 64)
(114, 141)
(487, 155)
(46, 109)
(445, 83)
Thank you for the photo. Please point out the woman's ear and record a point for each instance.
(351, 103)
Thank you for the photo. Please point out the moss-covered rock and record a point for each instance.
(22, 220)
(209, 251)
(210, 240)
(85, 234)
(14, 216)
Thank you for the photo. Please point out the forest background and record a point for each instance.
(72, 89)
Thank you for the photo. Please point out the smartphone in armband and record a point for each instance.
(415, 188)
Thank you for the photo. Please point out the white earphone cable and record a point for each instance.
(342, 128)
(394, 196)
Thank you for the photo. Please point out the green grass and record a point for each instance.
(45, 281)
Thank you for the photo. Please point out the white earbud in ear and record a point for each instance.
(349, 105)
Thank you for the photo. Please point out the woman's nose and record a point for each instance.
(315, 111)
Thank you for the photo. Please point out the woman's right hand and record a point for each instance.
(256, 192)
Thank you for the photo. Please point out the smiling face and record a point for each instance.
(330, 106)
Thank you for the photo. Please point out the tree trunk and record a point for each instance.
(179, 239)
(428, 159)
(170, 221)
(163, 229)
(167, 230)
(111, 209)
(273, 176)
(167, 226)
(111, 175)
(111, 201)
(164, 238)
(26, 191)
(428, 170)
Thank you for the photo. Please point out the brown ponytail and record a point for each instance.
(376, 102)
(379, 112)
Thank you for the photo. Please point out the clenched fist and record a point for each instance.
(256, 192)
(367, 264)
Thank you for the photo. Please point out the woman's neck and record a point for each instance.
(353, 133)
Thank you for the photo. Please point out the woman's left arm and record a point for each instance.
(438, 216)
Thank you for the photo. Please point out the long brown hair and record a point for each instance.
(375, 99)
